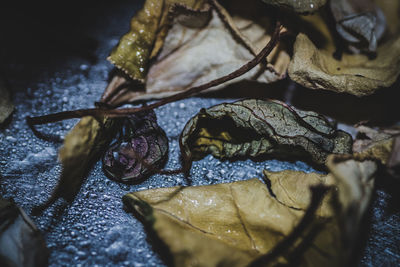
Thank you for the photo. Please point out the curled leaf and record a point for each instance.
(148, 28)
(83, 146)
(375, 144)
(299, 6)
(141, 149)
(353, 74)
(6, 105)
(21, 243)
(360, 22)
(256, 128)
(355, 179)
(314, 66)
(236, 223)
(382, 145)
(202, 45)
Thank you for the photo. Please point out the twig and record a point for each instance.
(318, 193)
(194, 90)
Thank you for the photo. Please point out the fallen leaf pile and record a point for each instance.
(173, 46)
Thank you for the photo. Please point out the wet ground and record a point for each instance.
(55, 60)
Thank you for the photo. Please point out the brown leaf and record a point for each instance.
(355, 179)
(21, 243)
(235, 223)
(203, 45)
(148, 29)
(83, 146)
(6, 105)
(376, 144)
(354, 74)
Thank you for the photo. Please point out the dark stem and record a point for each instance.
(318, 193)
(194, 90)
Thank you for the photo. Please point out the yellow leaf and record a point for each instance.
(148, 29)
(235, 223)
(82, 147)
(376, 144)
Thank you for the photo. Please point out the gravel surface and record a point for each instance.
(94, 229)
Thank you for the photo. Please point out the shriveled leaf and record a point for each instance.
(148, 29)
(21, 243)
(375, 144)
(382, 145)
(81, 149)
(203, 45)
(6, 105)
(235, 223)
(253, 128)
(355, 178)
(360, 23)
(83, 146)
(299, 6)
(354, 74)
(140, 150)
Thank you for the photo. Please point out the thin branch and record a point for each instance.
(192, 91)
(318, 193)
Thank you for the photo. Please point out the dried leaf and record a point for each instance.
(203, 45)
(6, 105)
(355, 178)
(81, 149)
(361, 23)
(146, 35)
(382, 145)
(141, 149)
(377, 144)
(217, 225)
(235, 223)
(299, 6)
(353, 74)
(256, 127)
(83, 146)
(21, 243)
